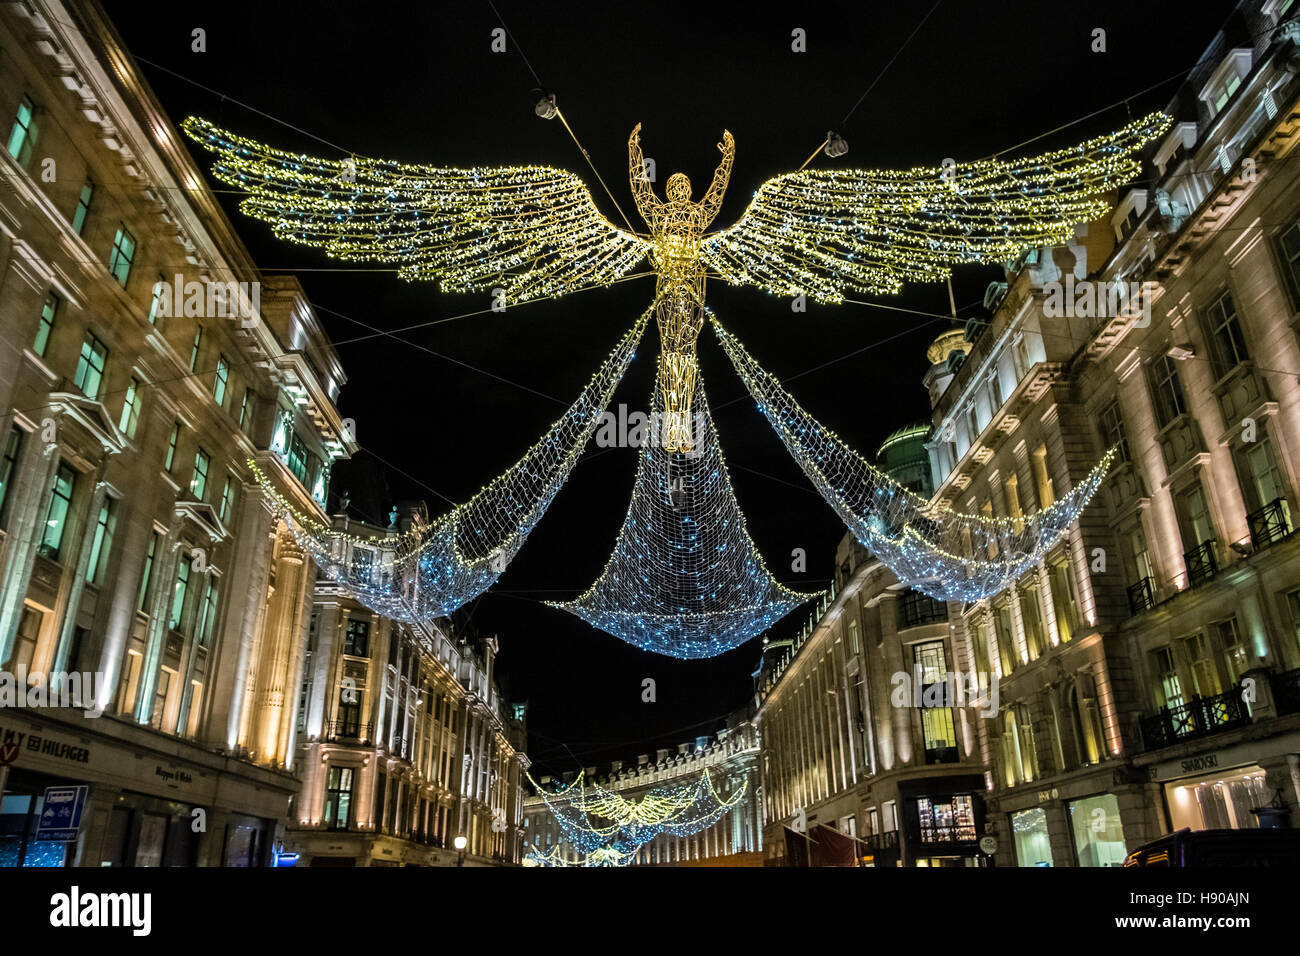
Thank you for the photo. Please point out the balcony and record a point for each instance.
(1270, 524)
(1201, 563)
(1286, 692)
(347, 730)
(1199, 717)
(1141, 596)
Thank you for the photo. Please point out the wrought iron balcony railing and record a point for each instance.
(1199, 717)
(1201, 563)
(1270, 524)
(1142, 596)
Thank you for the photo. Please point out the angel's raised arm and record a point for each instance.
(646, 200)
(712, 200)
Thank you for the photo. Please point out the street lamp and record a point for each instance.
(459, 844)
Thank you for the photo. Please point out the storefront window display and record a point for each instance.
(1218, 801)
(1029, 828)
(1098, 836)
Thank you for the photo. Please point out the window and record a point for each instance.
(246, 410)
(83, 207)
(90, 367)
(199, 481)
(1112, 431)
(227, 500)
(194, 349)
(178, 594)
(338, 798)
(1225, 335)
(1234, 651)
(995, 391)
(56, 517)
(929, 662)
(158, 305)
(1170, 685)
(1064, 600)
(1264, 484)
(1029, 830)
(8, 465)
(220, 380)
(1288, 248)
(1006, 638)
(947, 821)
(130, 419)
(1168, 390)
(148, 571)
(23, 135)
(101, 543)
(1046, 493)
(1019, 756)
(1098, 835)
(1020, 357)
(916, 609)
(356, 640)
(1194, 515)
(349, 716)
(172, 440)
(207, 614)
(855, 641)
(49, 309)
(1033, 620)
(162, 697)
(123, 254)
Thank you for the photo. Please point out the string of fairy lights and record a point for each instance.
(428, 571)
(605, 828)
(820, 232)
(532, 231)
(685, 579)
(941, 552)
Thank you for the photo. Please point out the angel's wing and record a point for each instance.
(533, 231)
(824, 233)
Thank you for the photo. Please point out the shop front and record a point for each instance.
(150, 800)
(943, 820)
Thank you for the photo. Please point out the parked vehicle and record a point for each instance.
(1220, 848)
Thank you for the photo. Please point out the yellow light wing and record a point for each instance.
(533, 231)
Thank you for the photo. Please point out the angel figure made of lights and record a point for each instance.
(530, 232)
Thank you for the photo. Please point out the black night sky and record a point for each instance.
(453, 404)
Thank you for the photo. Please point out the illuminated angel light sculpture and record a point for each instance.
(608, 829)
(525, 233)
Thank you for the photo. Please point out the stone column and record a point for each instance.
(32, 489)
(297, 660)
(275, 663)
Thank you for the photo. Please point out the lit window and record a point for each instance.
(101, 543)
(246, 405)
(130, 419)
(158, 305)
(199, 482)
(220, 381)
(49, 309)
(194, 349)
(1168, 389)
(178, 595)
(172, 441)
(56, 517)
(148, 571)
(227, 500)
(123, 254)
(8, 465)
(23, 135)
(83, 207)
(90, 368)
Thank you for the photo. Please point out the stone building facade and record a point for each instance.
(144, 362)
(1147, 670)
(405, 741)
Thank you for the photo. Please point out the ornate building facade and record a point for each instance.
(730, 759)
(858, 732)
(406, 743)
(1144, 676)
(144, 362)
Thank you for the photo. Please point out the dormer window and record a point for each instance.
(1176, 145)
(1226, 80)
(1128, 213)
